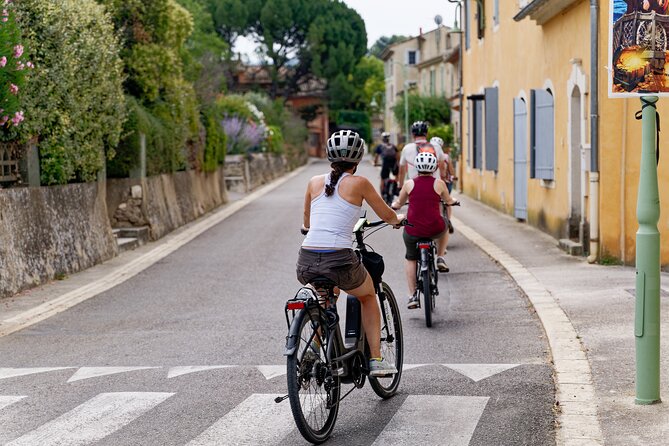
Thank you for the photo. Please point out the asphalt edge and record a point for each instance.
(578, 422)
(163, 248)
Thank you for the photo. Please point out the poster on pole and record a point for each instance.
(638, 51)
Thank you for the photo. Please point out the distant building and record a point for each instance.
(400, 60)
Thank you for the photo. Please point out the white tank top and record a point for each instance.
(332, 220)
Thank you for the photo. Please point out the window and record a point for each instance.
(491, 128)
(433, 82)
(480, 18)
(542, 135)
(412, 57)
(448, 41)
(476, 127)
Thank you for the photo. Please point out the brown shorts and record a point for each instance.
(343, 267)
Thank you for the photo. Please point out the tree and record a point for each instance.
(383, 42)
(433, 109)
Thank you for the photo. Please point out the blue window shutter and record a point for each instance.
(478, 134)
(532, 134)
(492, 129)
(544, 135)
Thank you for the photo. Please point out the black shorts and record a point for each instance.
(387, 168)
(411, 241)
(343, 267)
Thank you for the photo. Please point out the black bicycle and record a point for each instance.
(320, 359)
(390, 190)
(427, 278)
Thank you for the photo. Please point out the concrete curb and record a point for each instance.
(578, 421)
(119, 275)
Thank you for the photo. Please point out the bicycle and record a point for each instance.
(320, 360)
(390, 190)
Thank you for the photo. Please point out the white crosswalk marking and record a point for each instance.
(272, 371)
(477, 372)
(258, 420)
(10, 372)
(425, 420)
(92, 420)
(185, 370)
(6, 400)
(94, 372)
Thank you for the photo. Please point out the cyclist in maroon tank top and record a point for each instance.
(425, 194)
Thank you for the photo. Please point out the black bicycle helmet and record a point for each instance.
(345, 145)
(419, 128)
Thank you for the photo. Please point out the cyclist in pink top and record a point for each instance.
(425, 193)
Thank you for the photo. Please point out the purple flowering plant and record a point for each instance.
(13, 67)
(242, 135)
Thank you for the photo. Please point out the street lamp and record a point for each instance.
(375, 104)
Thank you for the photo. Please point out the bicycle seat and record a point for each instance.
(322, 282)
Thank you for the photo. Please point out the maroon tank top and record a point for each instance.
(424, 209)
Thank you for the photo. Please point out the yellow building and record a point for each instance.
(528, 120)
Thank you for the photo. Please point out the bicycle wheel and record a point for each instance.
(427, 294)
(312, 390)
(392, 345)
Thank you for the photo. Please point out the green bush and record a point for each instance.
(214, 153)
(235, 105)
(444, 132)
(74, 99)
(275, 140)
(13, 68)
(432, 109)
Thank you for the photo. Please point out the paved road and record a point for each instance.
(190, 352)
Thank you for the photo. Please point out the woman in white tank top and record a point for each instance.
(332, 206)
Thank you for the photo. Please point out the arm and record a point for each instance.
(371, 196)
(442, 190)
(306, 221)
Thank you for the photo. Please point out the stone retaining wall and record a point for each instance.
(47, 232)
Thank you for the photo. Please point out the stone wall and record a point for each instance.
(247, 172)
(164, 202)
(47, 232)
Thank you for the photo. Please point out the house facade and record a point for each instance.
(528, 124)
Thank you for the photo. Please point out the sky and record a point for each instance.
(388, 17)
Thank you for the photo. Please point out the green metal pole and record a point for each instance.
(647, 310)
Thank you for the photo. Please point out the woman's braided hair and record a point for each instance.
(338, 169)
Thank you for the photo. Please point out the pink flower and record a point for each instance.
(3, 61)
(4, 120)
(19, 65)
(18, 118)
(30, 65)
(4, 19)
(18, 51)
(13, 89)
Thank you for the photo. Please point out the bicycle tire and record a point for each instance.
(387, 387)
(296, 381)
(427, 294)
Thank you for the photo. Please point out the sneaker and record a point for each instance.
(381, 368)
(441, 265)
(450, 227)
(414, 302)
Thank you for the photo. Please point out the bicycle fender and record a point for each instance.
(423, 260)
(293, 334)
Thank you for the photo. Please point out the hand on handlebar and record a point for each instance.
(402, 221)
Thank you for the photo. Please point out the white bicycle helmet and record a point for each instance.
(437, 140)
(345, 145)
(425, 162)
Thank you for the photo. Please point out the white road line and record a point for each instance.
(9, 372)
(477, 372)
(406, 367)
(94, 372)
(6, 400)
(272, 371)
(165, 247)
(92, 420)
(425, 420)
(173, 372)
(258, 420)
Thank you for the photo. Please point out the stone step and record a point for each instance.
(127, 243)
(141, 233)
(571, 247)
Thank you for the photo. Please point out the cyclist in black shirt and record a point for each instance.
(389, 158)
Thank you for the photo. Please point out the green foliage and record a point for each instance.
(357, 90)
(356, 120)
(444, 131)
(383, 42)
(432, 109)
(234, 105)
(214, 153)
(232, 17)
(275, 142)
(74, 99)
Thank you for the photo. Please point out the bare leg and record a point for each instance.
(410, 271)
(371, 315)
(442, 243)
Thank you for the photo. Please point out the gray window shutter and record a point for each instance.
(478, 134)
(491, 128)
(467, 24)
(532, 134)
(544, 131)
